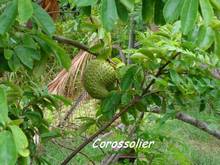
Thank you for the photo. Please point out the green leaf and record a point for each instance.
(175, 77)
(14, 63)
(50, 134)
(207, 11)
(87, 10)
(29, 42)
(122, 11)
(129, 4)
(27, 55)
(8, 17)
(83, 3)
(126, 98)
(205, 37)
(63, 99)
(217, 43)
(125, 119)
(35, 117)
(14, 92)
(43, 19)
(8, 53)
(158, 14)
(25, 10)
(148, 10)
(110, 104)
(8, 154)
(60, 53)
(3, 107)
(109, 14)
(202, 105)
(172, 10)
(189, 15)
(21, 141)
(216, 4)
(128, 78)
(24, 161)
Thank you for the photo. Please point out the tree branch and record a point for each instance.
(91, 138)
(74, 43)
(195, 122)
(121, 54)
(73, 107)
(159, 72)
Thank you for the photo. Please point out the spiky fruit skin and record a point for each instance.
(98, 78)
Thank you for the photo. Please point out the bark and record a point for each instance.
(74, 43)
(197, 123)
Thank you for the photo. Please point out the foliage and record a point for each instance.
(170, 66)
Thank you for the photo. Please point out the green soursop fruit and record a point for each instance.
(99, 78)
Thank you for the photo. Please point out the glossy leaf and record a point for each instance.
(189, 15)
(172, 10)
(207, 11)
(8, 153)
(25, 10)
(109, 14)
(205, 37)
(8, 17)
(43, 19)
(21, 141)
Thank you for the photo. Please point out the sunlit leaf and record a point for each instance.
(207, 11)
(25, 10)
(172, 10)
(109, 14)
(8, 17)
(8, 153)
(189, 15)
(21, 141)
(44, 19)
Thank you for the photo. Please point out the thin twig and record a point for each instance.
(74, 43)
(73, 107)
(121, 54)
(159, 72)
